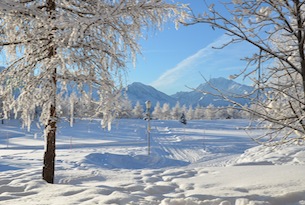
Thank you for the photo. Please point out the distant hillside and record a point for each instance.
(228, 87)
(140, 92)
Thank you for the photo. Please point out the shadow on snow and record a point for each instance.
(113, 161)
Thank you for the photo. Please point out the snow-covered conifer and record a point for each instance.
(209, 112)
(166, 111)
(198, 112)
(190, 113)
(183, 109)
(231, 112)
(157, 113)
(176, 111)
(138, 110)
(221, 113)
(126, 108)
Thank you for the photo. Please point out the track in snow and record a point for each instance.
(195, 142)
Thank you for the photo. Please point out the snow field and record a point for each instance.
(206, 162)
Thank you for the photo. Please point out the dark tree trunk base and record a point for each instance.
(49, 155)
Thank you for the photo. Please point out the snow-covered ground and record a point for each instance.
(205, 162)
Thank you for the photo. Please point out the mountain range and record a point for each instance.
(203, 95)
(198, 96)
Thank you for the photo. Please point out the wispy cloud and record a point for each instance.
(188, 65)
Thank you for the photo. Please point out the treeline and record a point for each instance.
(165, 112)
(81, 107)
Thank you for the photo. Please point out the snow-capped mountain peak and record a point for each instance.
(141, 92)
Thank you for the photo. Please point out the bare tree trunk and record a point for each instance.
(49, 155)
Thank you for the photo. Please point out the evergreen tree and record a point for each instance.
(232, 113)
(190, 113)
(157, 113)
(198, 112)
(209, 112)
(138, 110)
(183, 109)
(221, 113)
(166, 111)
(125, 110)
(175, 112)
(183, 119)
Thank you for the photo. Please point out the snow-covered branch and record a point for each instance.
(275, 29)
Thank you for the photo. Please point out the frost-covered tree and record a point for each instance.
(138, 110)
(209, 112)
(221, 113)
(73, 100)
(157, 113)
(232, 112)
(183, 109)
(166, 111)
(190, 113)
(176, 111)
(276, 30)
(50, 44)
(125, 110)
(198, 112)
(244, 114)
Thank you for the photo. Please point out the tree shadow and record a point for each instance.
(113, 161)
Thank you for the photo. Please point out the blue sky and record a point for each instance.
(173, 59)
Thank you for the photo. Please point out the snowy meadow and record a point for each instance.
(210, 162)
